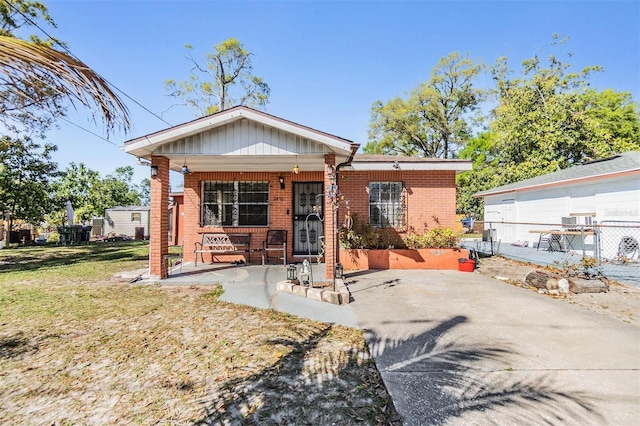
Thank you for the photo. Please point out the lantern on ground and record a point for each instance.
(292, 272)
(339, 274)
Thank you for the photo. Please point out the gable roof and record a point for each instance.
(627, 162)
(222, 138)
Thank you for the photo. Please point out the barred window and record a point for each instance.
(235, 203)
(386, 204)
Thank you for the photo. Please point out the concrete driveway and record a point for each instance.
(461, 348)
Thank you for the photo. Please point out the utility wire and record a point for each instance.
(35, 24)
(89, 131)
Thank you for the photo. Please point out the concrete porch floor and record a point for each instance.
(255, 285)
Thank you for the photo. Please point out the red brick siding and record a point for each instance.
(430, 194)
(329, 221)
(280, 206)
(159, 220)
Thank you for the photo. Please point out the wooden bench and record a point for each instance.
(221, 243)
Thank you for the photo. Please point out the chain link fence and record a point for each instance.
(610, 249)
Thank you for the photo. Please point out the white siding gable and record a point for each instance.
(243, 137)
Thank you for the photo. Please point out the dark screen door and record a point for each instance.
(307, 211)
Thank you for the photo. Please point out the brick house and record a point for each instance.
(246, 171)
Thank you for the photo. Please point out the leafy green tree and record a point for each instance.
(144, 192)
(37, 81)
(118, 189)
(435, 119)
(612, 121)
(90, 194)
(549, 118)
(79, 185)
(223, 81)
(26, 171)
(484, 174)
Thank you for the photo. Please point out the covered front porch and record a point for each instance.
(246, 172)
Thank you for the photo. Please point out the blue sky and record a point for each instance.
(326, 62)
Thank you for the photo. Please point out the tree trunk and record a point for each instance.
(580, 285)
(537, 279)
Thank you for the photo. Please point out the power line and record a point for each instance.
(74, 56)
(88, 131)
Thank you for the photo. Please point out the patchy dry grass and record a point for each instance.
(85, 349)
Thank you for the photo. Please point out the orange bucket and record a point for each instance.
(466, 265)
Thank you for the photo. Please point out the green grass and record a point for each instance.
(78, 346)
(80, 263)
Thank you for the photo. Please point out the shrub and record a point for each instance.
(433, 238)
(362, 235)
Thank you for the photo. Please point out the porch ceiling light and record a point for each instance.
(185, 170)
(296, 169)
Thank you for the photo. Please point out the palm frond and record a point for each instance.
(32, 70)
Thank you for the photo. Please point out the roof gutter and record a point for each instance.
(354, 148)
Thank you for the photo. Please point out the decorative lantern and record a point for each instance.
(292, 272)
(339, 274)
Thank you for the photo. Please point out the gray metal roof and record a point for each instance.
(129, 208)
(625, 162)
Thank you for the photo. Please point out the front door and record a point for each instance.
(308, 213)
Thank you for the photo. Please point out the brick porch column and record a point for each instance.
(329, 220)
(159, 222)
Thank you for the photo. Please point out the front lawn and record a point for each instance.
(78, 346)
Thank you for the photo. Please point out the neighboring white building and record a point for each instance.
(603, 191)
(132, 221)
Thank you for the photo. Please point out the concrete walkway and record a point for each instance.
(255, 285)
(459, 348)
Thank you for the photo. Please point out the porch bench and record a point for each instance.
(222, 243)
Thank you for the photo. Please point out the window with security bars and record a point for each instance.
(386, 205)
(235, 203)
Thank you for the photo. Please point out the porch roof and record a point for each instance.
(241, 138)
(395, 162)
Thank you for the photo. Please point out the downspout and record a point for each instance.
(354, 148)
